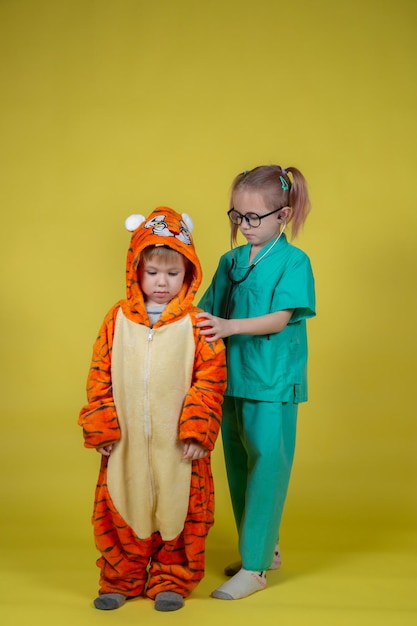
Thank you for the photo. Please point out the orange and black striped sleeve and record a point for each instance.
(98, 417)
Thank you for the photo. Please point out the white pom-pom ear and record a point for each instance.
(133, 221)
(188, 222)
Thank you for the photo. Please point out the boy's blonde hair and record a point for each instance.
(164, 253)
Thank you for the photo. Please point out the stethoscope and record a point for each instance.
(234, 282)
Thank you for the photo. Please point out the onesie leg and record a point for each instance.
(127, 577)
(177, 566)
(124, 557)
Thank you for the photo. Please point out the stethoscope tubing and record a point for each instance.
(234, 282)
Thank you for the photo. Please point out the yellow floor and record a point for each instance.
(360, 571)
(53, 581)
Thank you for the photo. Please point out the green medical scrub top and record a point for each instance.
(271, 368)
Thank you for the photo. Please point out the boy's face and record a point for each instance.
(161, 281)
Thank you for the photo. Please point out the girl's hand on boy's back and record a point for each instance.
(194, 450)
(213, 327)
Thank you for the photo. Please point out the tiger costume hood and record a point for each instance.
(163, 227)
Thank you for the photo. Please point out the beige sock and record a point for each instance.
(243, 584)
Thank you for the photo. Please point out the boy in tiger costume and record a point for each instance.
(154, 390)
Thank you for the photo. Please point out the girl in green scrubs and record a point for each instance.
(260, 298)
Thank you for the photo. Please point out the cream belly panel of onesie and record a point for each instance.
(148, 479)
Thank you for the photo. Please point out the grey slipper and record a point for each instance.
(168, 601)
(109, 601)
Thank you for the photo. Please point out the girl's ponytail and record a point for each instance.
(299, 200)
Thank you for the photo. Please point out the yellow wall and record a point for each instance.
(113, 107)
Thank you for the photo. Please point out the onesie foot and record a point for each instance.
(109, 601)
(168, 601)
(243, 584)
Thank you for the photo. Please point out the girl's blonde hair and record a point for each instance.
(280, 188)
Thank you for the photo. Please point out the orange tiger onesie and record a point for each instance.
(149, 389)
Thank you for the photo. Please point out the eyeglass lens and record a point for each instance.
(252, 219)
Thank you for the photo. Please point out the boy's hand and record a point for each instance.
(106, 451)
(194, 450)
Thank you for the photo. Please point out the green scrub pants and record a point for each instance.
(259, 443)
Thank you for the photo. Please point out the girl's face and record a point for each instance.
(251, 201)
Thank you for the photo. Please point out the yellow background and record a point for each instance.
(114, 107)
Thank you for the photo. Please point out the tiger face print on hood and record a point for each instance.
(163, 227)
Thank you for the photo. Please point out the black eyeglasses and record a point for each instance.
(253, 219)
